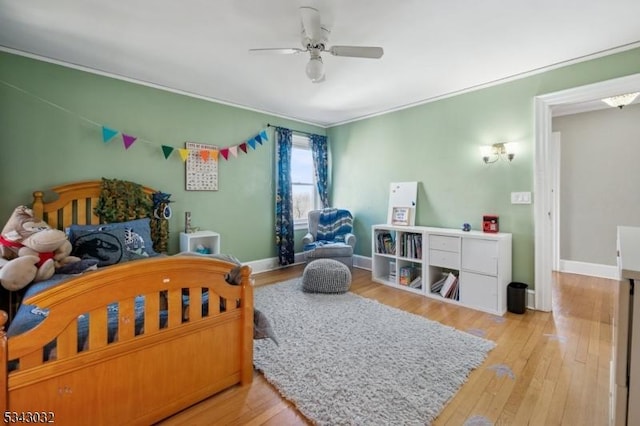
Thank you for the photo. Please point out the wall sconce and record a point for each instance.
(621, 100)
(492, 153)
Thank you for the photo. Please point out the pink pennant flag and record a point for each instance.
(128, 140)
(234, 150)
(225, 153)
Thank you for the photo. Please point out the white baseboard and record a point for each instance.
(589, 269)
(271, 264)
(362, 262)
(531, 299)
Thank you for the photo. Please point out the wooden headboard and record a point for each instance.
(75, 204)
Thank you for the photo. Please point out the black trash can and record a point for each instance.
(517, 298)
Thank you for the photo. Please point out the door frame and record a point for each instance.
(544, 206)
(555, 158)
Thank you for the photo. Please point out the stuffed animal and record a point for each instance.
(31, 250)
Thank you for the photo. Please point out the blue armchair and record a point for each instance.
(330, 236)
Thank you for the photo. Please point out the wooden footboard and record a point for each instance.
(141, 375)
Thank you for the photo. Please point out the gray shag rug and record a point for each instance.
(347, 360)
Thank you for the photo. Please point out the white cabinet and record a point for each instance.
(480, 291)
(480, 261)
(200, 241)
(480, 255)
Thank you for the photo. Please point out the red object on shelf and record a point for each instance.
(490, 223)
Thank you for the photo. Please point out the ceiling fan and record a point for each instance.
(314, 40)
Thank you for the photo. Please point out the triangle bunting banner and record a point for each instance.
(205, 154)
(167, 150)
(128, 140)
(225, 153)
(108, 134)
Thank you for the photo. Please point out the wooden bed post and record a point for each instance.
(246, 374)
(4, 385)
(38, 204)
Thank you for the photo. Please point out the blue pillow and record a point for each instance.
(107, 246)
(138, 234)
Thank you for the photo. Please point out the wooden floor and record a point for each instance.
(547, 368)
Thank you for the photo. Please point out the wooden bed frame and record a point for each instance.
(138, 379)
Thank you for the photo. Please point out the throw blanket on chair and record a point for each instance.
(333, 224)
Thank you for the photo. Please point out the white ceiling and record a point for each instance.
(432, 49)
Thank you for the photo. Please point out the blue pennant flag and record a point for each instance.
(258, 139)
(252, 143)
(108, 134)
(264, 136)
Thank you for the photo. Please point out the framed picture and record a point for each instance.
(201, 174)
(401, 216)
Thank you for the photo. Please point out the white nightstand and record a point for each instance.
(208, 239)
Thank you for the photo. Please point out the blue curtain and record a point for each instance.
(284, 201)
(321, 166)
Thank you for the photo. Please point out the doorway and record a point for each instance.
(545, 209)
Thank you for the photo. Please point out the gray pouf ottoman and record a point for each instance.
(326, 276)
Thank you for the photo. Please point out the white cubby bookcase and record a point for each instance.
(415, 258)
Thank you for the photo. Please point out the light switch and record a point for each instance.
(521, 198)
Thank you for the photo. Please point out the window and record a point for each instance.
(303, 184)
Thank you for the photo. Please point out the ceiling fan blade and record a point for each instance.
(357, 51)
(277, 50)
(311, 22)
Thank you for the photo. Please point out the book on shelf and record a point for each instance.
(456, 292)
(385, 243)
(410, 246)
(437, 286)
(407, 275)
(453, 293)
(448, 284)
(416, 283)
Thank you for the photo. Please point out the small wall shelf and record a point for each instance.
(208, 239)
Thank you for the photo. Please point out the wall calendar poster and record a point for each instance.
(201, 175)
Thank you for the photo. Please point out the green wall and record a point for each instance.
(437, 144)
(44, 145)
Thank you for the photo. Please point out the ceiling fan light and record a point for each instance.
(621, 100)
(315, 69)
